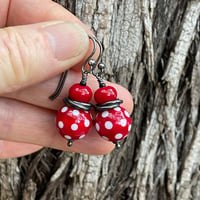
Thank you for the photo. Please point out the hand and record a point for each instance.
(38, 41)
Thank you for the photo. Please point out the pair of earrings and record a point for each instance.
(74, 120)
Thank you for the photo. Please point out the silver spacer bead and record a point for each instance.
(92, 62)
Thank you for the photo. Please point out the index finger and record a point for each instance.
(23, 12)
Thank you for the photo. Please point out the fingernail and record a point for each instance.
(66, 39)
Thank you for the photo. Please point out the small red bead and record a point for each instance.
(80, 93)
(73, 123)
(113, 124)
(105, 94)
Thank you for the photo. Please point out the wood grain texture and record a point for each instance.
(153, 49)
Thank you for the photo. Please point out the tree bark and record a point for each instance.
(152, 48)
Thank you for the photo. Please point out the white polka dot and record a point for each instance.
(105, 138)
(105, 114)
(117, 109)
(87, 123)
(68, 137)
(108, 125)
(129, 127)
(126, 113)
(82, 136)
(60, 124)
(75, 112)
(123, 122)
(64, 109)
(97, 127)
(74, 127)
(118, 136)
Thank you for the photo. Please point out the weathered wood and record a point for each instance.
(152, 48)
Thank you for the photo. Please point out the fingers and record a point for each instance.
(38, 95)
(33, 53)
(8, 149)
(4, 6)
(21, 122)
(37, 11)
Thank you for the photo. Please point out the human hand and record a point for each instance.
(32, 56)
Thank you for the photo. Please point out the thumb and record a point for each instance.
(33, 53)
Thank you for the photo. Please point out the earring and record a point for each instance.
(113, 122)
(74, 120)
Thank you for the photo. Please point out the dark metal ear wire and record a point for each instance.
(90, 56)
(98, 75)
(92, 65)
(101, 66)
(60, 86)
(90, 62)
(84, 71)
(101, 50)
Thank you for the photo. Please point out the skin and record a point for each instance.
(27, 116)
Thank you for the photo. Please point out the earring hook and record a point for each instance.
(60, 86)
(85, 72)
(90, 56)
(101, 66)
(101, 50)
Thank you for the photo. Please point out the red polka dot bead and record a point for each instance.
(112, 124)
(73, 123)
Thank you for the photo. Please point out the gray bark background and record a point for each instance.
(152, 48)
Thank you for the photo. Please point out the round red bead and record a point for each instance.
(113, 124)
(105, 94)
(80, 93)
(73, 123)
